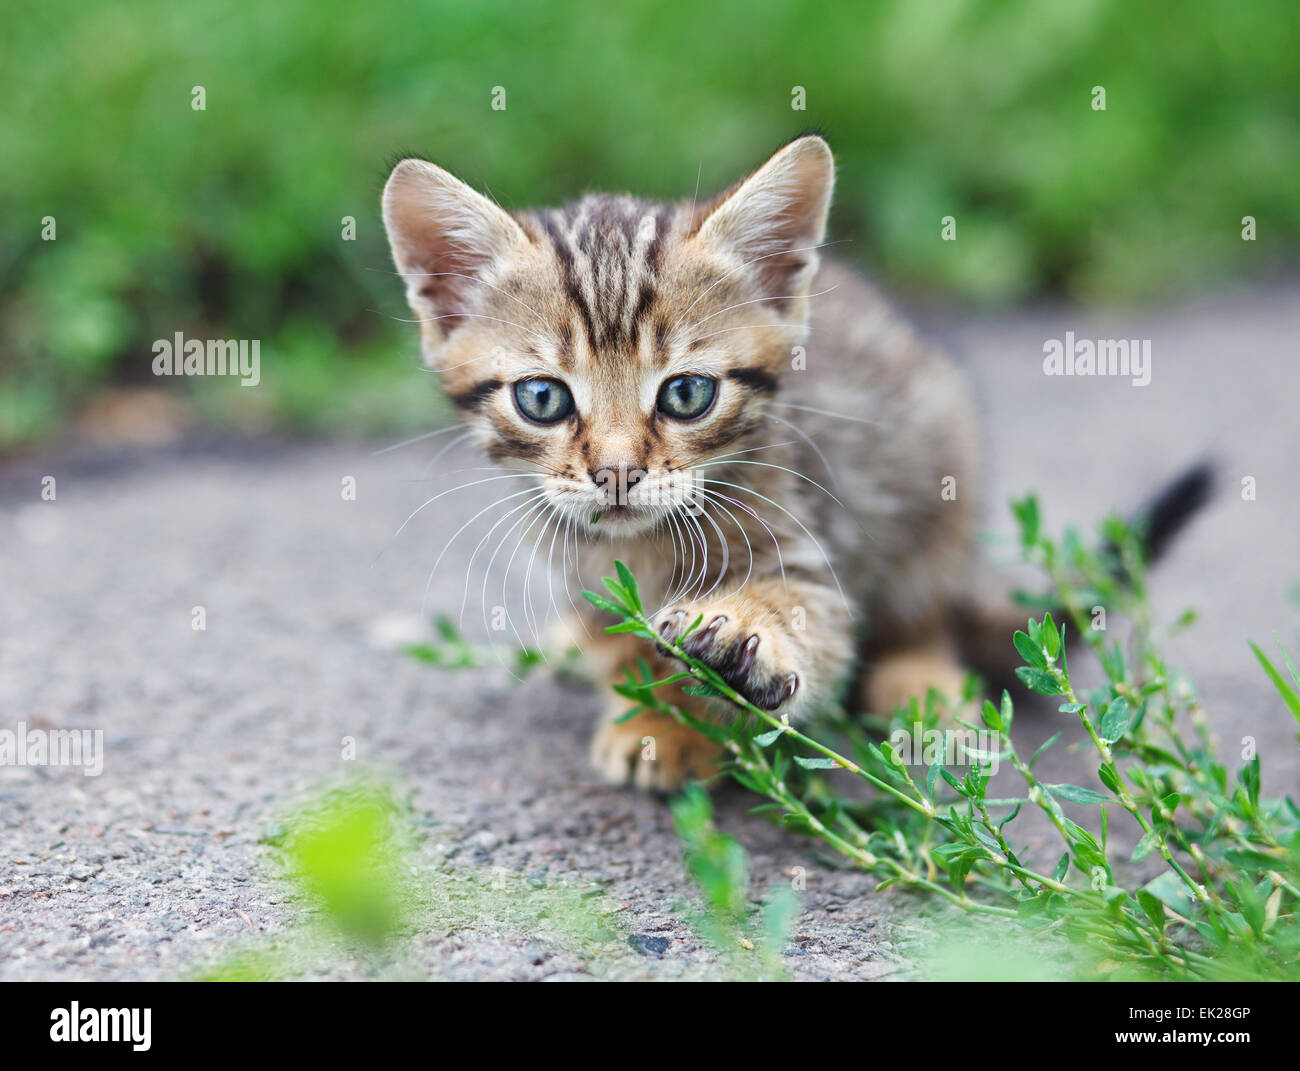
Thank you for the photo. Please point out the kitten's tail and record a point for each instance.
(984, 626)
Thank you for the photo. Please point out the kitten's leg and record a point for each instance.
(784, 645)
(651, 750)
(895, 676)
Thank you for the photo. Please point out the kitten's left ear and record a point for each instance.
(776, 218)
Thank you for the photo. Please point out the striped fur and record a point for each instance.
(613, 295)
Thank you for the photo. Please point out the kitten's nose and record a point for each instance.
(617, 478)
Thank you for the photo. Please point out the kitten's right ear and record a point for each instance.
(444, 237)
(775, 219)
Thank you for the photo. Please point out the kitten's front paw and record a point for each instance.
(754, 660)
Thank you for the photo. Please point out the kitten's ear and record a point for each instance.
(444, 237)
(776, 217)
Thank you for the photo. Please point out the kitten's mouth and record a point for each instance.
(622, 518)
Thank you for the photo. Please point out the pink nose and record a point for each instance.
(617, 480)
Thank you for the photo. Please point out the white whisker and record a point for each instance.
(750, 450)
(741, 267)
(776, 543)
(536, 506)
(455, 535)
(743, 327)
(474, 279)
(804, 528)
(825, 412)
(809, 440)
(769, 465)
(469, 568)
(756, 301)
(415, 439)
(450, 444)
(458, 487)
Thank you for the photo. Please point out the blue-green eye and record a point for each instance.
(543, 401)
(686, 397)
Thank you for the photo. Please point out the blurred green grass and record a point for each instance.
(226, 222)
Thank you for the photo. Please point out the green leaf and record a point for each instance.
(931, 778)
(1112, 661)
(1006, 710)
(1115, 722)
(992, 716)
(1062, 865)
(1251, 859)
(953, 782)
(818, 762)
(1109, 776)
(618, 591)
(423, 652)
(526, 658)
(1029, 651)
(1026, 512)
(1169, 889)
(1154, 909)
(764, 739)
(1289, 695)
(891, 755)
(602, 603)
(1051, 638)
(629, 584)
(1038, 681)
(1170, 802)
(1046, 744)
(1080, 835)
(1076, 794)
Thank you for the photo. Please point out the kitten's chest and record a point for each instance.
(660, 561)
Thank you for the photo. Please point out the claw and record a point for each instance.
(672, 620)
(747, 656)
(702, 641)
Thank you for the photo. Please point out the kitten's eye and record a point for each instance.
(687, 397)
(543, 401)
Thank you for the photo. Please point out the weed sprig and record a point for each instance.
(1224, 901)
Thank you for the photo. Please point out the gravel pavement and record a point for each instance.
(161, 864)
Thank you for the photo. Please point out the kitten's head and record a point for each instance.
(614, 344)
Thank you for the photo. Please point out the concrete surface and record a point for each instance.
(160, 865)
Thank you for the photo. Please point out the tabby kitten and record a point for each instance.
(748, 426)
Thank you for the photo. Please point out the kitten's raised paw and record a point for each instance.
(652, 753)
(753, 660)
